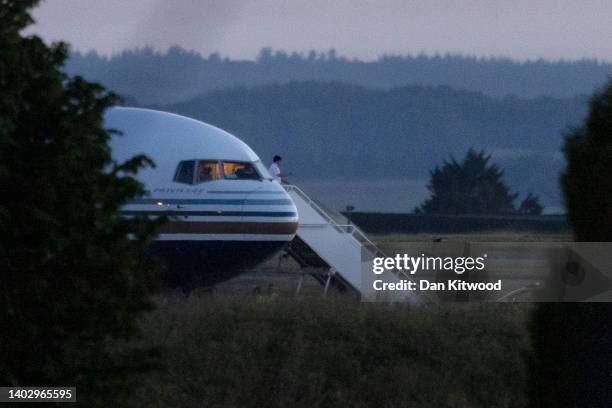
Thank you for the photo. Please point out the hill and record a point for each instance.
(330, 131)
(178, 75)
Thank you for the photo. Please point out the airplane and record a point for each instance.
(226, 213)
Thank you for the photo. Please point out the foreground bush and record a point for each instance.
(586, 181)
(281, 353)
(573, 342)
(72, 285)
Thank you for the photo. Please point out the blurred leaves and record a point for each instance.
(72, 283)
(586, 181)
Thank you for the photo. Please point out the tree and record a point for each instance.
(72, 283)
(530, 205)
(586, 181)
(472, 186)
(573, 339)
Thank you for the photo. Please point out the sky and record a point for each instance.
(519, 29)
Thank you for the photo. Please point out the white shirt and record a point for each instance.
(275, 172)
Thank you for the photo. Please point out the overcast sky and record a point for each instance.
(521, 29)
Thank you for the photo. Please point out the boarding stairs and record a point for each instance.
(333, 243)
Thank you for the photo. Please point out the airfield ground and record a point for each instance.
(252, 342)
(283, 276)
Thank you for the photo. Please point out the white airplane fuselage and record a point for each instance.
(225, 211)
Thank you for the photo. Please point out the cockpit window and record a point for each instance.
(200, 171)
(240, 171)
(184, 172)
(208, 170)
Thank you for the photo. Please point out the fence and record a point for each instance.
(383, 223)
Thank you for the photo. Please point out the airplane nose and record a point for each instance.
(271, 205)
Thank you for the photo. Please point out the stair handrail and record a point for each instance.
(359, 235)
(356, 233)
(313, 204)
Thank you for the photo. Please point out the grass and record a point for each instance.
(273, 351)
(252, 343)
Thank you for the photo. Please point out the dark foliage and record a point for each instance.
(573, 355)
(573, 342)
(587, 180)
(472, 186)
(530, 205)
(72, 283)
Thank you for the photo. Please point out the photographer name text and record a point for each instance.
(425, 285)
(410, 265)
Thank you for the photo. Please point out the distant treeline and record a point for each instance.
(177, 74)
(339, 131)
(381, 223)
